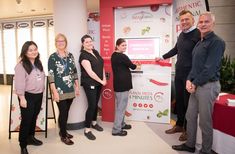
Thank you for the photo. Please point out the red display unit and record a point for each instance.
(107, 36)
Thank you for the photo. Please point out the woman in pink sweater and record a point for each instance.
(29, 86)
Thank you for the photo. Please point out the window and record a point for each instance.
(9, 42)
(40, 38)
(1, 52)
(23, 35)
(13, 34)
(51, 34)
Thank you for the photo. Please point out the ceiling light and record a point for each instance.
(18, 1)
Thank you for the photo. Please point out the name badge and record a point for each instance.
(92, 87)
(66, 78)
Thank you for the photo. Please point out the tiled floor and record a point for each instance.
(143, 138)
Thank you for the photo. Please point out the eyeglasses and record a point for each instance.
(60, 41)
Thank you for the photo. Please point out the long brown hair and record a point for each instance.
(25, 60)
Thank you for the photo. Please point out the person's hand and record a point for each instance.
(77, 91)
(138, 67)
(158, 58)
(56, 96)
(104, 82)
(23, 103)
(191, 88)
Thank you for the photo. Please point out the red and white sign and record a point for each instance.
(143, 48)
(149, 100)
(108, 35)
(15, 116)
(195, 6)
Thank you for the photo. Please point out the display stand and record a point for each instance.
(15, 117)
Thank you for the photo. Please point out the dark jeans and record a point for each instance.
(93, 96)
(29, 117)
(182, 97)
(64, 106)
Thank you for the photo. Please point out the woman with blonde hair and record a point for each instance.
(63, 81)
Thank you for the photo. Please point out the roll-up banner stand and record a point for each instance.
(15, 116)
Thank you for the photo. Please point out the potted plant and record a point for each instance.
(227, 75)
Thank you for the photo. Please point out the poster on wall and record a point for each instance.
(195, 6)
(15, 116)
(93, 23)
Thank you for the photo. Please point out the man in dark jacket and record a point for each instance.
(188, 38)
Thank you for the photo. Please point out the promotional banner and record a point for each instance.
(195, 6)
(148, 31)
(15, 116)
(149, 100)
(142, 21)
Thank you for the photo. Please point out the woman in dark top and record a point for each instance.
(63, 81)
(29, 86)
(122, 83)
(92, 80)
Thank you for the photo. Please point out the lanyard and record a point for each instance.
(64, 62)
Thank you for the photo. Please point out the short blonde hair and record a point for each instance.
(63, 36)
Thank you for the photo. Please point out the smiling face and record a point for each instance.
(122, 47)
(87, 44)
(32, 52)
(61, 43)
(186, 21)
(205, 24)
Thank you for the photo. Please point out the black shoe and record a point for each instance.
(33, 141)
(67, 141)
(126, 126)
(67, 135)
(209, 152)
(121, 133)
(89, 135)
(24, 151)
(183, 147)
(97, 127)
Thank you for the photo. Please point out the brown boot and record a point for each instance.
(174, 130)
(183, 136)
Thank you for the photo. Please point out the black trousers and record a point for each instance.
(93, 96)
(63, 106)
(182, 98)
(29, 117)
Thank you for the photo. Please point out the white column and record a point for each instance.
(70, 18)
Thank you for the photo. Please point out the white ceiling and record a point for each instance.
(26, 8)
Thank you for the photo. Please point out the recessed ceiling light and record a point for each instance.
(18, 1)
